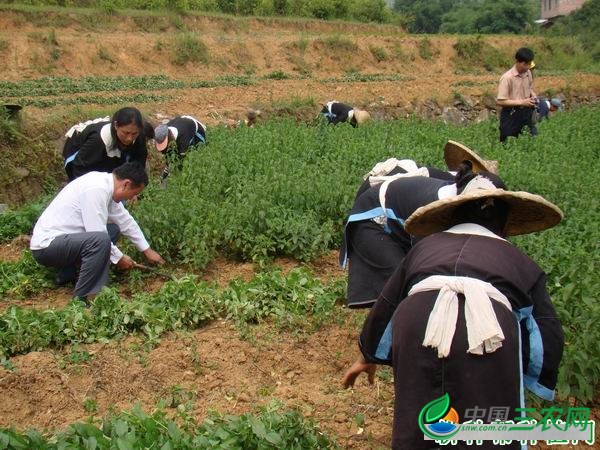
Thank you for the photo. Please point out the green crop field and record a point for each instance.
(284, 189)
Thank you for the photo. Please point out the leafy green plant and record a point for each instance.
(179, 305)
(22, 278)
(267, 428)
(90, 405)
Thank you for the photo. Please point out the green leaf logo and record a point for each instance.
(432, 412)
(436, 409)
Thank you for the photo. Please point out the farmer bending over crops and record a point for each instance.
(337, 112)
(175, 137)
(72, 229)
(101, 145)
(454, 154)
(375, 240)
(463, 312)
(516, 96)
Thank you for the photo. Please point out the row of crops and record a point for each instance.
(270, 428)
(284, 189)
(88, 90)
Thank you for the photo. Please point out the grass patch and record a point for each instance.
(336, 44)
(104, 55)
(426, 49)
(474, 54)
(296, 102)
(379, 53)
(190, 48)
(563, 53)
(277, 75)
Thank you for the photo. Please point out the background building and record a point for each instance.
(550, 9)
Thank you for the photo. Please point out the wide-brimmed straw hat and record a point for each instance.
(527, 212)
(455, 153)
(361, 116)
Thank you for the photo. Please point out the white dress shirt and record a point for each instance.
(85, 205)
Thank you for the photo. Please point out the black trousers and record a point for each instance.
(473, 382)
(513, 120)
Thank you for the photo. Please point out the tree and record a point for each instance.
(424, 16)
(488, 16)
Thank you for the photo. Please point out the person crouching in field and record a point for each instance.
(375, 241)
(182, 132)
(337, 112)
(454, 154)
(542, 111)
(72, 230)
(467, 314)
(102, 145)
(516, 96)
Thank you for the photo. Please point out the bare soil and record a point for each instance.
(221, 371)
(213, 368)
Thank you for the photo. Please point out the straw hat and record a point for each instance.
(361, 116)
(455, 153)
(527, 212)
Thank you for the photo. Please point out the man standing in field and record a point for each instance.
(516, 96)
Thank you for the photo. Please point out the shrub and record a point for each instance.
(475, 53)
(378, 53)
(425, 50)
(189, 48)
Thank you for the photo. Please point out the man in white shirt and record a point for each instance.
(72, 229)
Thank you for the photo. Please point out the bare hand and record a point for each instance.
(153, 257)
(357, 368)
(529, 102)
(126, 263)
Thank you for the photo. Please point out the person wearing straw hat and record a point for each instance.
(337, 112)
(174, 138)
(466, 314)
(455, 154)
(375, 241)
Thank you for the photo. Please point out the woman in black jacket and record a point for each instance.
(104, 144)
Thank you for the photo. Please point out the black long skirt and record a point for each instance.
(373, 257)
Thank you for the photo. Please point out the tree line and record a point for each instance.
(416, 16)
